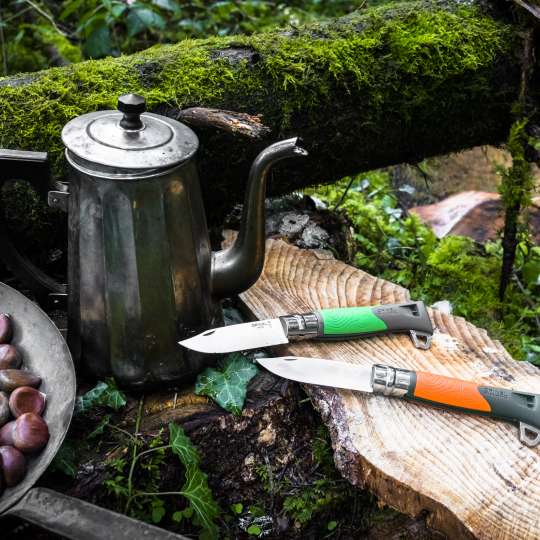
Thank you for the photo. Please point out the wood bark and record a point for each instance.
(470, 475)
(382, 86)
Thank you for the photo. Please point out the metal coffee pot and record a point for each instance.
(141, 274)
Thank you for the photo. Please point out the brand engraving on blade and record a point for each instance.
(261, 324)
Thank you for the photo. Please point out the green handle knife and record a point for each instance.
(328, 324)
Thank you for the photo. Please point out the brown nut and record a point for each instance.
(6, 434)
(26, 399)
(6, 328)
(4, 408)
(12, 465)
(10, 357)
(13, 378)
(29, 433)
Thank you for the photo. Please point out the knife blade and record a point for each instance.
(337, 323)
(521, 408)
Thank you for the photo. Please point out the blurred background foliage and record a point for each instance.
(35, 34)
(389, 242)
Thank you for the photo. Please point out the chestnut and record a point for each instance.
(10, 357)
(4, 408)
(12, 465)
(6, 328)
(13, 378)
(29, 433)
(26, 399)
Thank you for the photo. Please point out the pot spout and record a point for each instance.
(237, 268)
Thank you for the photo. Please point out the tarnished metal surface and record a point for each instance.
(46, 354)
(80, 520)
(139, 275)
(237, 268)
(98, 138)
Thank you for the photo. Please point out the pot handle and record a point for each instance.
(80, 520)
(32, 167)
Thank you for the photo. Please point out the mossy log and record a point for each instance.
(381, 86)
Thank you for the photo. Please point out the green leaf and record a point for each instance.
(331, 525)
(98, 43)
(200, 498)
(117, 10)
(177, 516)
(237, 508)
(531, 272)
(71, 7)
(65, 460)
(158, 510)
(254, 530)
(169, 5)
(227, 387)
(98, 430)
(140, 19)
(182, 446)
(104, 394)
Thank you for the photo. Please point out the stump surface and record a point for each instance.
(471, 475)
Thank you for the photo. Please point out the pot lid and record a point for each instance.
(129, 138)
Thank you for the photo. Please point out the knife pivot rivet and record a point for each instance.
(390, 381)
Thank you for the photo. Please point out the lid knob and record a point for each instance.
(132, 105)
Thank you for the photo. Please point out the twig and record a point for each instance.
(46, 15)
(344, 194)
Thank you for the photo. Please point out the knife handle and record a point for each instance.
(351, 322)
(522, 408)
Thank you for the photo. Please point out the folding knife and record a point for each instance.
(338, 323)
(522, 408)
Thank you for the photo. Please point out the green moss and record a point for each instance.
(518, 180)
(394, 58)
(50, 36)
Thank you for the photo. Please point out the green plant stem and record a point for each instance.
(134, 455)
(156, 494)
(123, 431)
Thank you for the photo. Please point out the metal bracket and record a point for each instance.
(58, 199)
(421, 340)
(529, 435)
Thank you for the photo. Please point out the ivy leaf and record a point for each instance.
(65, 460)
(227, 387)
(182, 446)
(100, 428)
(201, 500)
(104, 394)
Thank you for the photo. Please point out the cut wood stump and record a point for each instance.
(472, 475)
(476, 214)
